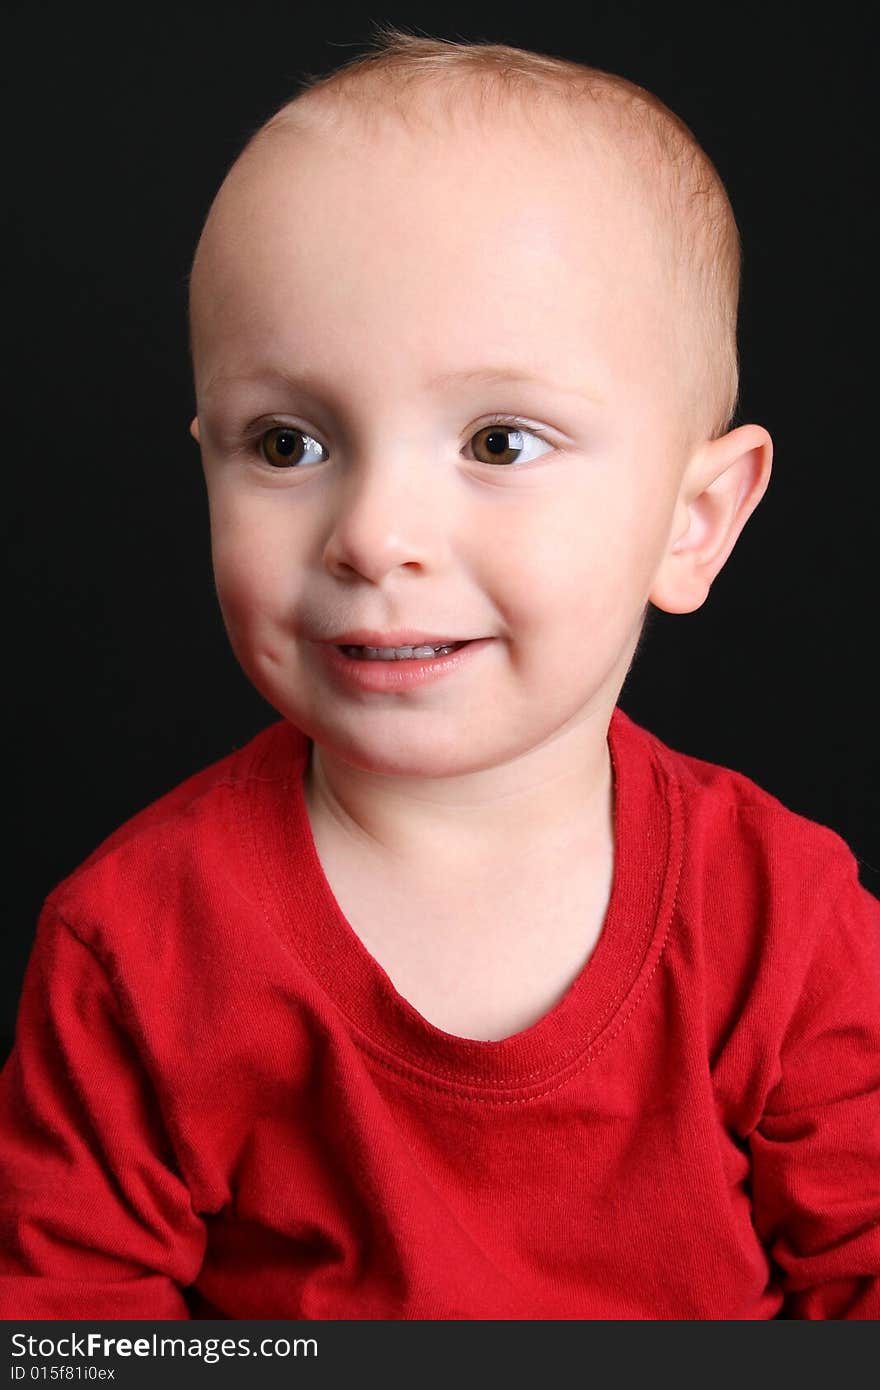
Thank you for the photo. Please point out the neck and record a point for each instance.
(556, 794)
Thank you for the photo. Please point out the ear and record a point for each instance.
(722, 486)
(194, 429)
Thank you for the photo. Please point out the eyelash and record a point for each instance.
(509, 422)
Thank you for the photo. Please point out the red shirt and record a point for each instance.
(218, 1105)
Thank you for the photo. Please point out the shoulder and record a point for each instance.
(769, 918)
(178, 844)
(734, 826)
(760, 888)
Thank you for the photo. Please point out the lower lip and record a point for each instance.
(391, 676)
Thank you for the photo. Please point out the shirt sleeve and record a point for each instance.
(816, 1148)
(95, 1221)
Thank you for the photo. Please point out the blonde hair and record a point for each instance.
(662, 156)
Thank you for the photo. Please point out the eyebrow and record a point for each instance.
(306, 380)
(490, 375)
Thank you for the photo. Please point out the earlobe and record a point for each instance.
(194, 429)
(721, 488)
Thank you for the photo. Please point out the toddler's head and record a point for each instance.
(463, 325)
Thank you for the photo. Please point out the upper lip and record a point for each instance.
(363, 637)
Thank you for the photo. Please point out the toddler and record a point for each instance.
(456, 994)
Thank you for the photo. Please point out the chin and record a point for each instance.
(392, 754)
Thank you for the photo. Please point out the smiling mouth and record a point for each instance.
(401, 653)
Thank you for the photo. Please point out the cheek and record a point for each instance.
(581, 562)
(252, 569)
(553, 561)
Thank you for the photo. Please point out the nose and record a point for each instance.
(384, 516)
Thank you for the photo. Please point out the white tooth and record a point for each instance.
(403, 653)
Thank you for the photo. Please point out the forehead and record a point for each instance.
(440, 245)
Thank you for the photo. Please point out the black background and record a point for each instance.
(121, 125)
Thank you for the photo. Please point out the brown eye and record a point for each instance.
(284, 446)
(505, 444)
(494, 442)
